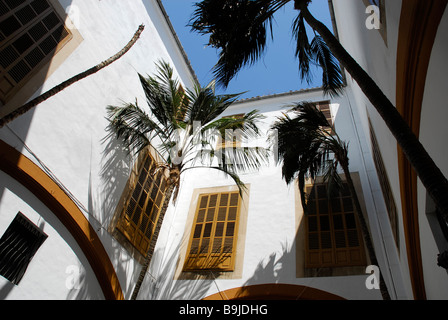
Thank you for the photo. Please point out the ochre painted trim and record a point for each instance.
(273, 291)
(46, 190)
(418, 28)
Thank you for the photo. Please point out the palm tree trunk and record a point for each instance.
(152, 245)
(431, 176)
(364, 229)
(31, 104)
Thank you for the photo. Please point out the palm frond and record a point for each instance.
(332, 80)
(238, 28)
(163, 95)
(205, 106)
(306, 150)
(303, 48)
(133, 126)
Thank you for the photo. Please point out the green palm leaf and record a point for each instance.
(332, 81)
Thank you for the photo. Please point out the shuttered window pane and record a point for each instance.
(18, 245)
(10, 25)
(29, 37)
(141, 214)
(217, 235)
(332, 230)
(40, 6)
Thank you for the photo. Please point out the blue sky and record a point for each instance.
(277, 70)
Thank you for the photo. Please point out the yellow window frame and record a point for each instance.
(214, 234)
(144, 202)
(333, 235)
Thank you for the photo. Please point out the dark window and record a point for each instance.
(18, 245)
(30, 34)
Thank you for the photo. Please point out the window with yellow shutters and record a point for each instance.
(31, 32)
(333, 237)
(142, 208)
(214, 234)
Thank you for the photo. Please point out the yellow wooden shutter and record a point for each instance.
(333, 236)
(142, 209)
(214, 234)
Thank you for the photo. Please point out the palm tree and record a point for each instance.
(185, 127)
(239, 29)
(308, 146)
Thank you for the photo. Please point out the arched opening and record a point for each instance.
(46, 190)
(275, 291)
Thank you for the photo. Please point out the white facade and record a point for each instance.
(386, 55)
(54, 158)
(274, 231)
(66, 134)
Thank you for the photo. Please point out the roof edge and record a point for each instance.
(280, 95)
(177, 40)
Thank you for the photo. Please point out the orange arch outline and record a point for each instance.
(18, 166)
(274, 291)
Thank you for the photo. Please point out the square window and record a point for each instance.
(18, 246)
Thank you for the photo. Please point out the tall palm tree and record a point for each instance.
(239, 29)
(308, 146)
(185, 127)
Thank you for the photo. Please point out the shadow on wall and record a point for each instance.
(101, 206)
(164, 287)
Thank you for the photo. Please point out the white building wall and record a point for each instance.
(271, 234)
(66, 132)
(433, 137)
(378, 58)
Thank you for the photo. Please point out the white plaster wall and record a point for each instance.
(59, 270)
(378, 58)
(270, 243)
(66, 132)
(433, 136)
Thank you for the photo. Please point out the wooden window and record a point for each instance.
(324, 107)
(31, 32)
(385, 185)
(142, 208)
(18, 246)
(333, 238)
(231, 141)
(214, 234)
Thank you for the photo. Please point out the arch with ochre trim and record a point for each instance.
(419, 24)
(22, 169)
(274, 291)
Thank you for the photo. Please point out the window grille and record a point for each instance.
(385, 185)
(30, 34)
(18, 246)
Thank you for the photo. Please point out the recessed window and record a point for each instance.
(212, 244)
(144, 201)
(18, 246)
(31, 32)
(333, 238)
(385, 186)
